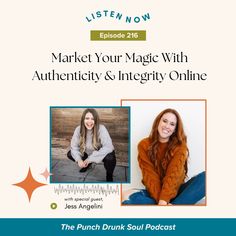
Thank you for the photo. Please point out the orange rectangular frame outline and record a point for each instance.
(149, 100)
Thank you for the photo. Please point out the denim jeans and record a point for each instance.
(189, 193)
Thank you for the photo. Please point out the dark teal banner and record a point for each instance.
(87, 227)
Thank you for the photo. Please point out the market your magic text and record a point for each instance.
(143, 60)
(133, 57)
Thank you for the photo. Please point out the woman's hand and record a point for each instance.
(162, 203)
(86, 162)
(81, 164)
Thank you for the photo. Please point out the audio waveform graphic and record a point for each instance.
(84, 189)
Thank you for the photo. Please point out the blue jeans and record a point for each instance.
(189, 193)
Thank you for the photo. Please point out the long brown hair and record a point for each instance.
(178, 138)
(83, 131)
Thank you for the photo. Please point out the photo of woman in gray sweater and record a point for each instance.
(91, 143)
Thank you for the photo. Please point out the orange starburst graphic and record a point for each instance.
(29, 184)
(46, 174)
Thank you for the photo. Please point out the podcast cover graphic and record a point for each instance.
(60, 59)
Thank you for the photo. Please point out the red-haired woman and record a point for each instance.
(163, 160)
(91, 142)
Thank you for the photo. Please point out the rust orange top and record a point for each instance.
(162, 188)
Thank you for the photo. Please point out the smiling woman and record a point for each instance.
(91, 142)
(166, 126)
(163, 160)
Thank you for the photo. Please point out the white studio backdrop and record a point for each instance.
(143, 114)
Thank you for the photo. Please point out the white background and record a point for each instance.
(143, 114)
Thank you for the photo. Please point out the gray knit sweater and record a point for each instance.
(93, 155)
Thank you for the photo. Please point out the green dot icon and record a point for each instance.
(53, 205)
